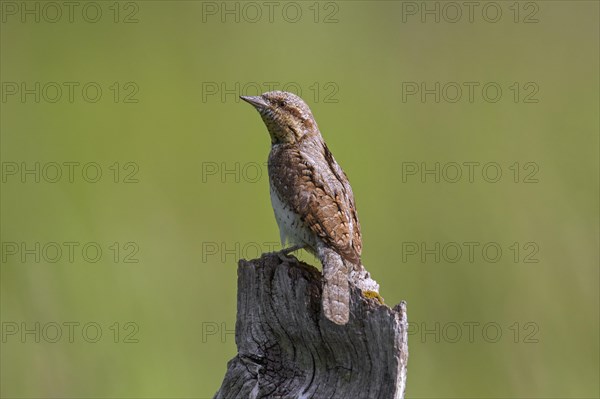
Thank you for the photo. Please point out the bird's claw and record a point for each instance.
(283, 254)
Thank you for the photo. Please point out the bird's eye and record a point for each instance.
(282, 103)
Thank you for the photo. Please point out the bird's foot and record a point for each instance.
(283, 254)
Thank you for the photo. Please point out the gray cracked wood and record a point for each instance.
(288, 349)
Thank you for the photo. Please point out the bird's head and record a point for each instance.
(286, 115)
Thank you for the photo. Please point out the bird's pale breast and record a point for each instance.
(291, 227)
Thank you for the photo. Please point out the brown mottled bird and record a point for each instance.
(312, 199)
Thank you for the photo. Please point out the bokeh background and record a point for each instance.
(191, 193)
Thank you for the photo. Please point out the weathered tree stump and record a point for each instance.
(288, 349)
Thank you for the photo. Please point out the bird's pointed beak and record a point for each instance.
(256, 101)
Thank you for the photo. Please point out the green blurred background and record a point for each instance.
(201, 199)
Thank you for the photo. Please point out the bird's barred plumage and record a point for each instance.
(320, 196)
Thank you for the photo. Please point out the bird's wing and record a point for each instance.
(320, 193)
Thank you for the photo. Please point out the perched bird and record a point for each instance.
(312, 199)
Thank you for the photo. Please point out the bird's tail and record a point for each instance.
(336, 288)
(337, 274)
